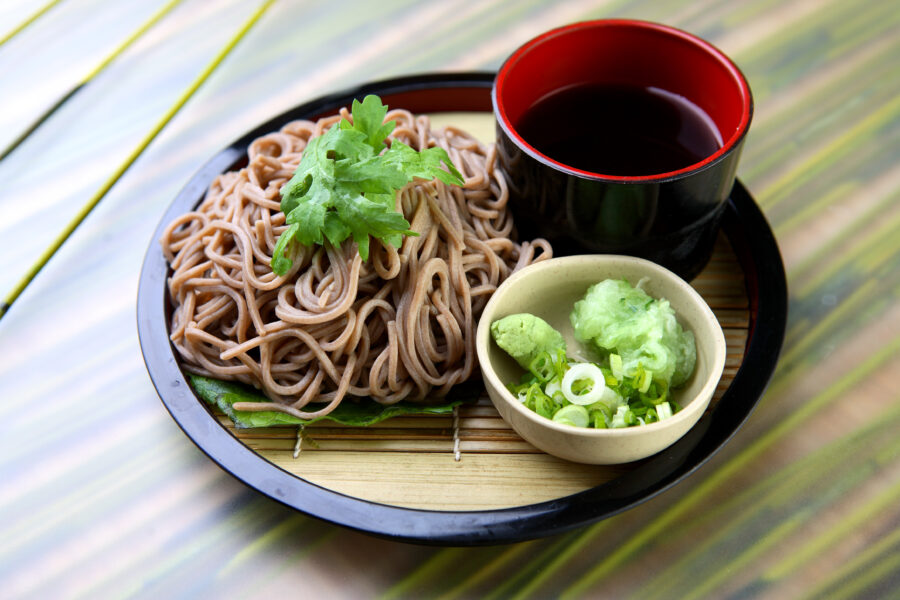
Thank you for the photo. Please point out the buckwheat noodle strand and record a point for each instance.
(399, 326)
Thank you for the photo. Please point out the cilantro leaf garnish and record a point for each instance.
(346, 183)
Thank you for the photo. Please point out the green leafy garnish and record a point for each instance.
(349, 412)
(346, 183)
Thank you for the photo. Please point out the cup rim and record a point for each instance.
(727, 147)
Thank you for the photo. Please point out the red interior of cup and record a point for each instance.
(625, 52)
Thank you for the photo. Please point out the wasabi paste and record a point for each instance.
(525, 336)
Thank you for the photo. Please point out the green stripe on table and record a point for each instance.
(779, 486)
(870, 223)
(28, 21)
(86, 79)
(832, 152)
(880, 560)
(111, 181)
(827, 539)
(692, 576)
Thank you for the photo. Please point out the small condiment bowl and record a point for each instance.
(549, 290)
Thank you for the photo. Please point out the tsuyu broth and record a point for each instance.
(619, 130)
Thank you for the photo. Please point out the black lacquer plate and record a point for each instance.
(744, 225)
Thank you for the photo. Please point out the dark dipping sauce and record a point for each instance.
(619, 130)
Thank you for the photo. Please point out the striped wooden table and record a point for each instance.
(102, 496)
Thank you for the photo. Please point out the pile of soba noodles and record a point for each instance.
(398, 326)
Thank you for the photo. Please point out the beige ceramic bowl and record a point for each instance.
(549, 289)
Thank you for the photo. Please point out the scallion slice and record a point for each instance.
(618, 419)
(572, 414)
(663, 410)
(579, 372)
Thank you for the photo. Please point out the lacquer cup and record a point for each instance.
(670, 218)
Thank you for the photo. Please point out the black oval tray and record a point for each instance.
(744, 225)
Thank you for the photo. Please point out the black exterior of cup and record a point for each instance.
(673, 222)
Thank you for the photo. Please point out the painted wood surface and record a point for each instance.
(102, 496)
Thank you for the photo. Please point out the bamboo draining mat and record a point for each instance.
(409, 461)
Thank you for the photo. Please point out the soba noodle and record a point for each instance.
(397, 326)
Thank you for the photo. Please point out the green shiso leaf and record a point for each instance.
(349, 412)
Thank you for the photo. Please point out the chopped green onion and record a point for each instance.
(646, 380)
(552, 387)
(663, 410)
(579, 372)
(618, 419)
(572, 414)
(630, 418)
(615, 365)
(584, 394)
(526, 378)
(561, 363)
(542, 367)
